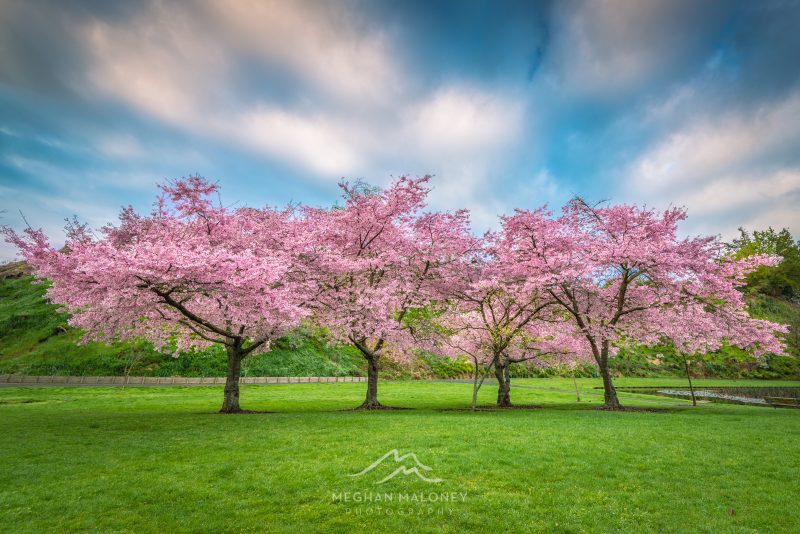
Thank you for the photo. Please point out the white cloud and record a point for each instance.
(464, 184)
(741, 193)
(179, 64)
(164, 66)
(461, 119)
(716, 146)
(727, 170)
(713, 146)
(329, 46)
(142, 65)
(463, 135)
(320, 144)
(122, 146)
(353, 114)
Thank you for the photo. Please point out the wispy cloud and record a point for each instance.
(737, 167)
(508, 104)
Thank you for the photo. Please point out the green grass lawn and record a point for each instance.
(160, 460)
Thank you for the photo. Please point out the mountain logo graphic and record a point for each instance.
(402, 470)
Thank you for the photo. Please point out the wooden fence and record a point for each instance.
(170, 380)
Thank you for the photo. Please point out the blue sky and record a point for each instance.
(509, 104)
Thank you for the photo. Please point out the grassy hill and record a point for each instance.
(35, 339)
(728, 362)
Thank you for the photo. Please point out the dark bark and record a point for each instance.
(371, 400)
(611, 401)
(609, 392)
(372, 355)
(231, 401)
(501, 371)
(477, 381)
(689, 376)
(475, 387)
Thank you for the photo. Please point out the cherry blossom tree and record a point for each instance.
(496, 331)
(709, 325)
(497, 320)
(622, 274)
(190, 274)
(375, 259)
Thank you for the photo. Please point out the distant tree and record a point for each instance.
(707, 327)
(190, 274)
(781, 280)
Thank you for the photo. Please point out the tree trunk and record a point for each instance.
(477, 382)
(501, 371)
(231, 402)
(689, 376)
(371, 401)
(609, 392)
(575, 383)
(475, 387)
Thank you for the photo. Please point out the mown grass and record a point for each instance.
(162, 460)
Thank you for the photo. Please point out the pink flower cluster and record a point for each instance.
(554, 287)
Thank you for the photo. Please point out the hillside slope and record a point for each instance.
(35, 339)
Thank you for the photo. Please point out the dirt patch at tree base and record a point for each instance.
(496, 408)
(379, 408)
(244, 412)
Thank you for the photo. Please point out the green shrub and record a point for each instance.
(443, 367)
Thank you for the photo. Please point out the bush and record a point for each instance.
(443, 367)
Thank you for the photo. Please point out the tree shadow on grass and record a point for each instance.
(381, 408)
(244, 412)
(640, 409)
(491, 408)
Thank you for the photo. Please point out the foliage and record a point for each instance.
(774, 292)
(36, 339)
(374, 260)
(770, 293)
(781, 280)
(622, 272)
(576, 369)
(661, 359)
(377, 258)
(549, 289)
(191, 274)
(444, 367)
(306, 351)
